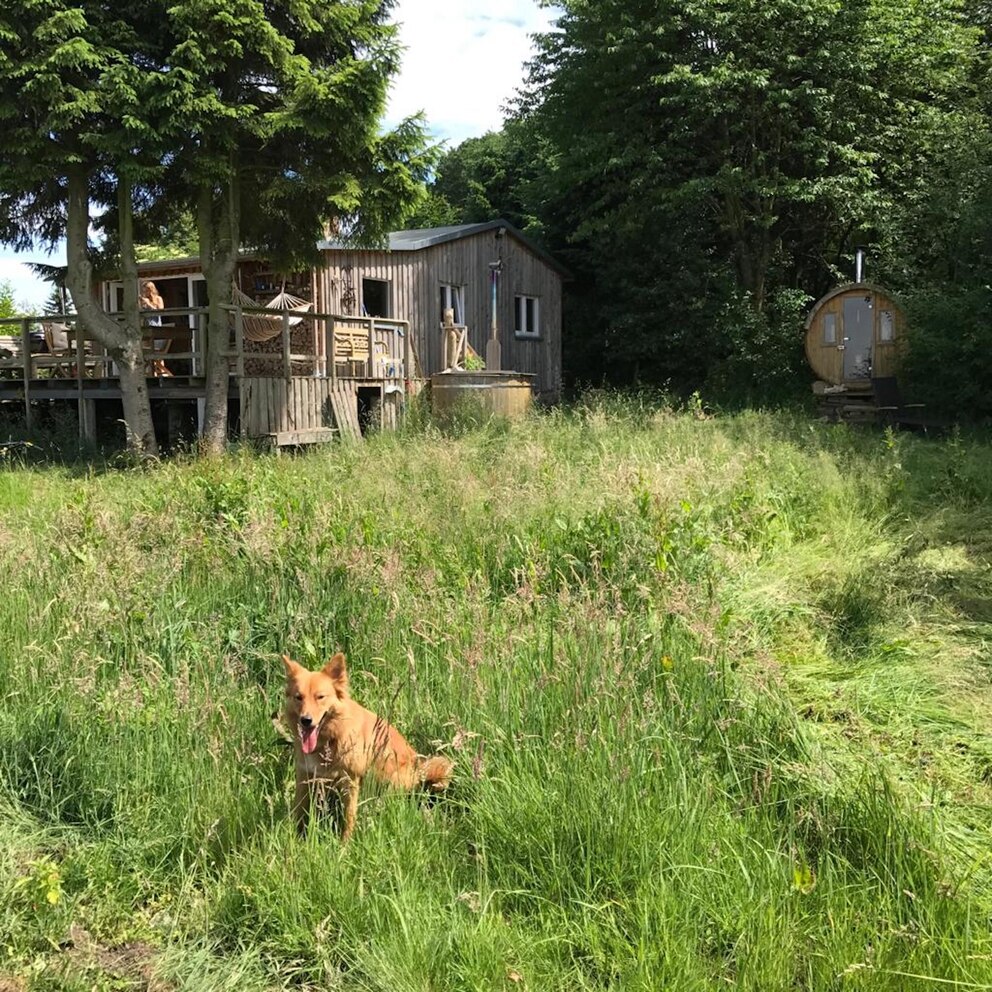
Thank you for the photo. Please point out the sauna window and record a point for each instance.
(527, 316)
(830, 328)
(886, 326)
(453, 298)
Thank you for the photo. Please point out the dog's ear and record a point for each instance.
(337, 671)
(291, 666)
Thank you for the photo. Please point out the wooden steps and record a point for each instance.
(299, 407)
(290, 439)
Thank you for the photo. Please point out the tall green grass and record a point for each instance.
(715, 689)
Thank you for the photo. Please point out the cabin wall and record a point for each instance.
(827, 360)
(339, 278)
(416, 277)
(465, 262)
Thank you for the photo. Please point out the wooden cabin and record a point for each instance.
(426, 271)
(349, 341)
(853, 334)
(419, 275)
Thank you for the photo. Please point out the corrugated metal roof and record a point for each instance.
(426, 237)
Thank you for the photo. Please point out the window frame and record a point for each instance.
(886, 322)
(389, 298)
(455, 294)
(522, 330)
(830, 323)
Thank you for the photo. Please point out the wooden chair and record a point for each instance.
(159, 346)
(351, 348)
(60, 345)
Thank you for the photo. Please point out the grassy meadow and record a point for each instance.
(717, 687)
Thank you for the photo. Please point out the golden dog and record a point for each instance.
(337, 742)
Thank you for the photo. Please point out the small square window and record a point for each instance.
(527, 316)
(830, 328)
(453, 298)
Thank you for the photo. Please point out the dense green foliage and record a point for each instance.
(479, 180)
(706, 168)
(699, 743)
(8, 305)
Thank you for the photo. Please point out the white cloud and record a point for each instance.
(462, 62)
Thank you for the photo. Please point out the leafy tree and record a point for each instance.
(482, 179)
(172, 236)
(8, 306)
(712, 161)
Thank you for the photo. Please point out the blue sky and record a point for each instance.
(463, 61)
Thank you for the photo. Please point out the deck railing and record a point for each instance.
(343, 346)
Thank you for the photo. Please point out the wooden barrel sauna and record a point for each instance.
(505, 394)
(854, 334)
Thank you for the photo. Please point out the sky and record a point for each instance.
(462, 63)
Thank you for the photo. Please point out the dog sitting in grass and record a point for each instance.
(337, 742)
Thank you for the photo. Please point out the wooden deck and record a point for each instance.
(317, 377)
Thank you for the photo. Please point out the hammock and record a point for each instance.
(266, 326)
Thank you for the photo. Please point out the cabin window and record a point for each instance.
(375, 298)
(830, 328)
(527, 316)
(886, 325)
(453, 298)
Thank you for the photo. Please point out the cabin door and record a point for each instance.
(858, 336)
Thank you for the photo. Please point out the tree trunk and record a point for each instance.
(219, 231)
(122, 341)
(134, 398)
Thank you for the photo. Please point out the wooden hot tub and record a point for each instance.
(505, 394)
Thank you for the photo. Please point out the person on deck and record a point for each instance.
(150, 299)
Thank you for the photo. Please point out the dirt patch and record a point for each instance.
(131, 962)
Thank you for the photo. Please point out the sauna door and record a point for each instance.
(858, 322)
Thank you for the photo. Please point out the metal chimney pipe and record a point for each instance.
(859, 264)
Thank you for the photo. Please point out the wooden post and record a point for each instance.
(239, 343)
(26, 351)
(80, 401)
(320, 366)
(201, 341)
(287, 367)
(449, 341)
(333, 340)
(87, 420)
(407, 353)
(371, 347)
(239, 369)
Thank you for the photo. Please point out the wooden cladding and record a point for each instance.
(415, 280)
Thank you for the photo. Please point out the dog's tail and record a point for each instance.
(435, 773)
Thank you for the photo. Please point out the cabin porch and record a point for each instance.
(295, 378)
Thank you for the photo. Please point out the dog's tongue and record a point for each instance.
(309, 739)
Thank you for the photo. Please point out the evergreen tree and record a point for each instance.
(259, 119)
(76, 89)
(281, 105)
